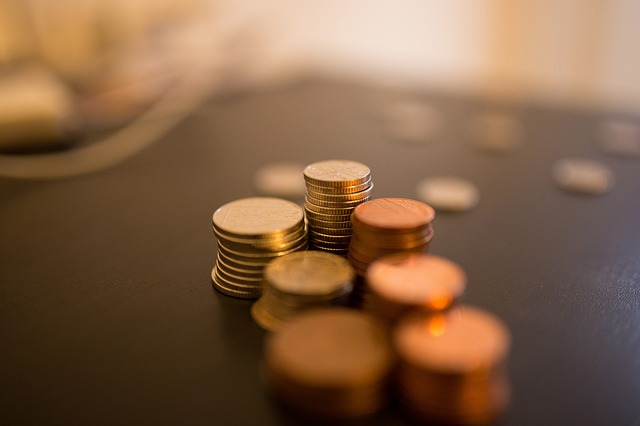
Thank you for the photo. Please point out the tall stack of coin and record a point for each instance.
(388, 225)
(334, 189)
(299, 281)
(407, 281)
(330, 363)
(452, 366)
(251, 232)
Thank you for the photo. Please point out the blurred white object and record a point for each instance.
(496, 132)
(448, 193)
(620, 137)
(583, 176)
(411, 121)
(283, 179)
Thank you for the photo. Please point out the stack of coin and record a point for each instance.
(330, 363)
(452, 366)
(388, 225)
(251, 232)
(334, 189)
(401, 282)
(300, 281)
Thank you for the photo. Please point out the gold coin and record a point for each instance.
(254, 255)
(319, 236)
(235, 269)
(230, 289)
(315, 223)
(334, 204)
(309, 272)
(330, 231)
(259, 217)
(333, 218)
(338, 189)
(337, 211)
(354, 196)
(338, 173)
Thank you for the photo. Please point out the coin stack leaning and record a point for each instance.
(402, 282)
(388, 225)
(299, 281)
(452, 366)
(334, 189)
(330, 364)
(251, 232)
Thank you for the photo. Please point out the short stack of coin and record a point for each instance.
(401, 282)
(334, 189)
(251, 232)
(388, 225)
(330, 364)
(452, 366)
(300, 281)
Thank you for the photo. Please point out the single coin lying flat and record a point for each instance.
(281, 179)
(583, 176)
(448, 193)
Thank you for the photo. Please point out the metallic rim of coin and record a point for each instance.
(309, 200)
(393, 214)
(321, 230)
(338, 189)
(258, 217)
(342, 211)
(258, 254)
(322, 217)
(319, 236)
(342, 251)
(291, 234)
(336, 173)
(230, 289)
(381, 238)
(283, 245)
(263, 317)
(414, 279)
(354, 196)
(315, 223)
(229, 276)
(239, 271)
(242, 262)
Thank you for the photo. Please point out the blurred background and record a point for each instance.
(72, 71)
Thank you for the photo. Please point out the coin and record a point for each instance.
(448, 193)
(451, 366)
(280, 179)
(331, 363)
(619, 137)
(262, 217)
(341, 197)
(393, 214)
(583, 176)
(403, 281)
(334, 173)
(324, 189)
(309, 272)
(495, 132)
(411, 121)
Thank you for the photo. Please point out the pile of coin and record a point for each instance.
(388, 225)
(251, 232)
(299, 281)
(402, 282)
(452, 366)
(330, 363)
(334, 189)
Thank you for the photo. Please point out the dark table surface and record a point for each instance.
(108, 316)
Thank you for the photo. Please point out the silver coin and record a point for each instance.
(448, 193)
(583, 176)
(495, 132)
(619, 137)
(281, 179)
(411, 121)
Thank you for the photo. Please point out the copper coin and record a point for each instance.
(330, 348)
(393, 214)
(460, 341)
(417, 279)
